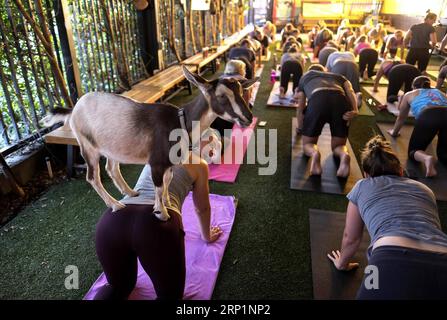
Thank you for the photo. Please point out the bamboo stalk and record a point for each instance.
(98, 41)
(84, 46)
(55, 93)
(121, 67)
(107, 57)
(20, 56)
(53, 33)
(213, 28)
(80, 47)
(56, 71)
(44, 72)
(128, 36)
(4, 130)
(15, 83)
(172, 26)
(33, 68)
(140, 69)
(121, 35)
(189, 16)
(139, 63)
(219, 18)
(10, 176)
(93, 46)
(9, 103)
(124, 37)
(44, 38)
(200, 30)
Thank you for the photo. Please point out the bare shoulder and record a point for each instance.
(197, 168)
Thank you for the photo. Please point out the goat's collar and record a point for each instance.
(182, 118)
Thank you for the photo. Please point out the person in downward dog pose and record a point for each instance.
(429, 107)
(292, 63)
(330, 100)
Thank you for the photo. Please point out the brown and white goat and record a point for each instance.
(127, 131)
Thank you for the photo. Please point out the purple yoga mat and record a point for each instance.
(202, 259)
(227, 172)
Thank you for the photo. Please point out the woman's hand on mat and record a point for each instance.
(350, 115)
(215, 233)
(392, 133)
(335, 257)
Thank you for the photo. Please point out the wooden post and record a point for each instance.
(160, 52)
(71, 63)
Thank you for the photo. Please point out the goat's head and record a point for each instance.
(225, 97)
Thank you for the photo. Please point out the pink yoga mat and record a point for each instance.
(202, 259)
(227, 172)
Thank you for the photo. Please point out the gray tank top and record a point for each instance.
(398, 206)
(179, 188)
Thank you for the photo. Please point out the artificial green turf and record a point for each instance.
(268, 254)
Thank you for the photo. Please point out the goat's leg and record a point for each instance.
(167, 178)
(160, 210)
(91, 157)
(113, 170)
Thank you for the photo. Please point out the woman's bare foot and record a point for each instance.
(430, 163)
(282, 93)
(365, 75)
(315, 165)
(345, 166)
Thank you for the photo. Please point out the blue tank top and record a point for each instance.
(427, 97)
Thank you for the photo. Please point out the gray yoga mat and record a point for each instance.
(328, 182)
(326, 233)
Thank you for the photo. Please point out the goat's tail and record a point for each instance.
(57, 115)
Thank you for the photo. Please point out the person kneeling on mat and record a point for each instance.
(408, 248)
(136, 234)
(330, 100)
(398, 75)
(429, 107)
(292, 63)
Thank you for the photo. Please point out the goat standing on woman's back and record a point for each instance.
(127, 131)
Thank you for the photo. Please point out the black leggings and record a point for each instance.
(368, 58)
(431, 122)
(402, 74)
(289, 68)
(134, 232)
(405, 274)
(419, 55)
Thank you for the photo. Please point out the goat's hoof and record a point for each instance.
(162, 216)
(118, 206)
(132, 193)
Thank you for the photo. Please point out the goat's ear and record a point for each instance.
(195, 79)
(246, 84)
